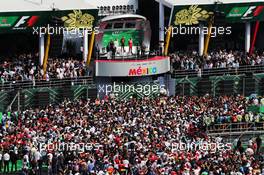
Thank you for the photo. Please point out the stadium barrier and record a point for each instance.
(231, 131)
(24, 94)
(243, 84)
(218, 71)
(43, 83)
(236, 127)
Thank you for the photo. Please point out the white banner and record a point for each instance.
(120, 68)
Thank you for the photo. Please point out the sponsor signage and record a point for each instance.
(24, 21)
(235, 12)
(247, 12)
(7, 21)
(115, 68)
(17, 23)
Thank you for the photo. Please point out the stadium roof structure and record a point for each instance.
(171, 3)
(43, 5)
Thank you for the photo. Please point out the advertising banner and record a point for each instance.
(119, 68)
(234, 13)
(27, 21)
(7, 21)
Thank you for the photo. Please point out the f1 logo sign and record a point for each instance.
(21, 21)
(249, 11)
(253, 11)
(26, 21)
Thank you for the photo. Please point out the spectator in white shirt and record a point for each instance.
(6, 159)
(25, 162)
(1, 159)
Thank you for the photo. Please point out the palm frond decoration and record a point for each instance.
(191, 16)
(78, 20)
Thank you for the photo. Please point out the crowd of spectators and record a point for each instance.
(233, 109)
(215, 59)
(136, 137)
(26, 67)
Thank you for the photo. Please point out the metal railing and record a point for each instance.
(218, 71)
(231, 131)
(12, 85)
(144, 56)
(236, 127)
